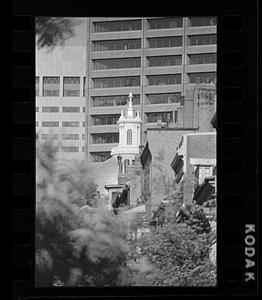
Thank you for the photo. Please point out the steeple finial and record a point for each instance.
(130, 106)
(130, 100)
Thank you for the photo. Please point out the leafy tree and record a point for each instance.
(179, 248)
(79, 248)
(180, 255)
(193, 215)
(53, 31)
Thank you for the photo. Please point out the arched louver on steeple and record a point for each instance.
(129, 137)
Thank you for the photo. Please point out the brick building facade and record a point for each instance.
(165, 140)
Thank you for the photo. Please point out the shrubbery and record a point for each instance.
(179, 248)
(89, 247)
(180, 255)
(78, 248)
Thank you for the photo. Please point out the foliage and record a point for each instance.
(180, 255)
(53, 31)
(79, 248)
(193, 215)
(179, 248)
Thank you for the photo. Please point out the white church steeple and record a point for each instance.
(129, 133)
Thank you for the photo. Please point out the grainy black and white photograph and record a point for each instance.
(125, 151)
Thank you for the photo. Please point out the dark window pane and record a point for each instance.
(71, 109)
(114, 100)
(164, 79)
(162, 116)
(105, 138)
(71, 87)
(165, 23)
(120, 63)
(202, 77)
(164, 42)
(49, 109)
(164, 98)
(203, 21)
(116, 82)
(113, 45)
(117, 26)
(209, 58)
(51, 86)
(205, 39)
(50, 124)
(157, 61)
(105, 119)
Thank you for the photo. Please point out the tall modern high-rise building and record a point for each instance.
(83, 85)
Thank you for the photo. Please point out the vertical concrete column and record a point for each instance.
(61, 87)
(143, 79)
(87, 93)
(184, 55)
(40, 86)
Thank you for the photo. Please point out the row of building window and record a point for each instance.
(203, 39)
(99, 101)
(197, 59)
(69, 136)
(154, 117)
(65, 109)
(64, 124)
(112, 82)
(159, 42)
(117, 26)
(52, 88)
(157, 61)
(115, 101)
(164, 98)
(165, 42)
(158, 23)
(164, 79)
(117, 63)
(105, 138)
(105, 119)
(150, 118)
(154, 61)
(113, 45)
(205, 77)
(111, 120)
(163, 23)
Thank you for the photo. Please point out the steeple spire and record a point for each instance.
(130, 106)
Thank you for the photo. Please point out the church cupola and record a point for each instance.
(129, 133)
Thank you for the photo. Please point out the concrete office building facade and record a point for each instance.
(157, 59)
